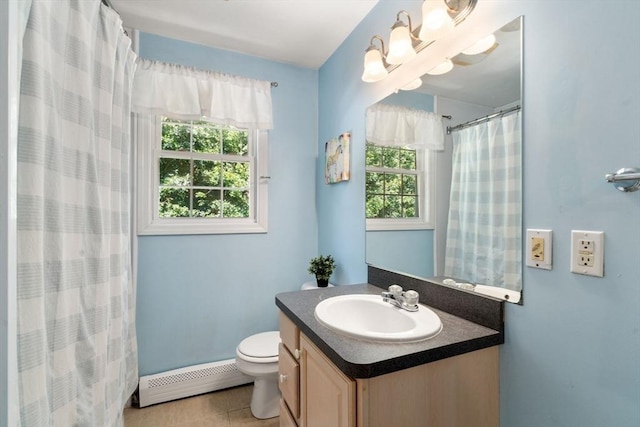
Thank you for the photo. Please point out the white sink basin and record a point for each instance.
(368, 317)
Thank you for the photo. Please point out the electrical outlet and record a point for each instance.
(586, 245)
(538, 251)
(587, 252)
(586, 260)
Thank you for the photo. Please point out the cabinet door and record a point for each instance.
(286, 419)
(289, 380)
(328, 397)
(289, 334)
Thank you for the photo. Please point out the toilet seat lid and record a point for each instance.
(264, 344)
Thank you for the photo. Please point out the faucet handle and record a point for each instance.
(395, 290)
(411, 297)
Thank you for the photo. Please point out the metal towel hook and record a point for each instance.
(626, 179)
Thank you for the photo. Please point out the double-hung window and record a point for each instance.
(399, 193)
(197, 177)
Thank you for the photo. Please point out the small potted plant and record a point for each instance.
(322, 267)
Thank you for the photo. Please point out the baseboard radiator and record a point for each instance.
(190, 381)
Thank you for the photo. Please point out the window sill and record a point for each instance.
(401, 224)
(199, 226)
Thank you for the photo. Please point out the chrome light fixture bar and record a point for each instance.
(438, 17)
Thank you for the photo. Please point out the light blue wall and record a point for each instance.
(572, 351)
(404, 251)
(199, 296)
(409, 99)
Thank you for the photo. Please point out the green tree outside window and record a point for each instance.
(204, 170)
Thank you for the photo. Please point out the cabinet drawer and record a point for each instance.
(289, 381)
(289, 334)
(286, 419)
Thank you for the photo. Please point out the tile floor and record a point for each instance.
(224, 408)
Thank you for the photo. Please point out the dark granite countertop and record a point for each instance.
(364, 359)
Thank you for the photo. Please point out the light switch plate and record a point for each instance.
(539, 249)
(587, 252)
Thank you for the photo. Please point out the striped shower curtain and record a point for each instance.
(77, 355)
(485, 222)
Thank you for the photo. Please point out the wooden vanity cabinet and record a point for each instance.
(289, 373)
(457, 391)
(314, 393)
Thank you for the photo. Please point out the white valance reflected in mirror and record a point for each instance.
(456, 214)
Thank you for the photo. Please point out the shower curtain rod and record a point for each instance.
(482, 119)
(110, 5)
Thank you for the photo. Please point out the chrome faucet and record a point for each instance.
(405, 300)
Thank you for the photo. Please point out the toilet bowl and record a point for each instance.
(257, 357)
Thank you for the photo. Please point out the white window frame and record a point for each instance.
(148, 131)
(426, 167)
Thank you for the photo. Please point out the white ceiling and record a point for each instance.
(299, 32)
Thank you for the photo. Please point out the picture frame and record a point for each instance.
(336, 152)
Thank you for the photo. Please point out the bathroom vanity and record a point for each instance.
(329, 379)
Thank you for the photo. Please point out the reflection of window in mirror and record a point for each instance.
(397, 188)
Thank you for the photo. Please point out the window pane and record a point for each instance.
(390, 157)
(374, 183)
(176, 136)
(206, 203)
(410, 206)
(374, 207)
(235, 142)
(390, 194)
(409, 184)
(175, 171)
(206, 173)
(393, 207)
(236, 204)
(174, 202)
(373, 155)
(206, 139)
(236, 174)
(392, 183)
(408, 159)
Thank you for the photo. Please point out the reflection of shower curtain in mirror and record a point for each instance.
(485, 222)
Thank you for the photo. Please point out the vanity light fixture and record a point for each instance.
(401, 41)
(374, 67)
(438, 17)
(443, 68)
(413, 84)
(482, 45)
(436, 20)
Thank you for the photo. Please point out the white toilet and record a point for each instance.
(257, 357)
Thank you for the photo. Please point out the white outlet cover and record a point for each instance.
(578, 251)
(547, 262)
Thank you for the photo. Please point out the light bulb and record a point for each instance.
(374, 69)
(414, 84)
(400, 46)
(443, 68)
(435, 20)
(481, 45)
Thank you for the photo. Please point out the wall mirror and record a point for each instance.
(454, 216)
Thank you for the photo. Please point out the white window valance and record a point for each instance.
(396, 126)
(187, 93)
